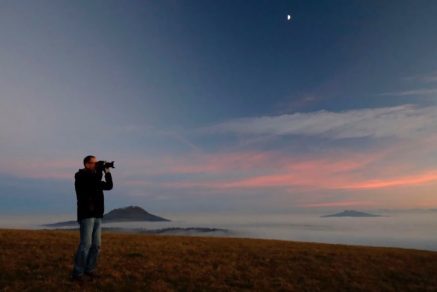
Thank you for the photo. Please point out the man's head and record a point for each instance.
(90, 162)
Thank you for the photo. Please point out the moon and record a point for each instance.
(288, 17)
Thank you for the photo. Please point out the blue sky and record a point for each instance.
(220, 105)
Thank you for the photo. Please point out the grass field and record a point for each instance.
(41, 260)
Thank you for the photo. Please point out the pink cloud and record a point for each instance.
(332, 171)
(221, 162)
(311, 181)
(409, 180)
(281, 169)
(335, 169)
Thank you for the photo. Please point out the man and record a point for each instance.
(90, 206)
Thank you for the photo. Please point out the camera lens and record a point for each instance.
(109, 164)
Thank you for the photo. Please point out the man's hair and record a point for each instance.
(87, 159)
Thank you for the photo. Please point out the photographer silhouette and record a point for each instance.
(90, 208)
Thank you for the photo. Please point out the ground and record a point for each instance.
(38, 260)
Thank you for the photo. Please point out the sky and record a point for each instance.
(220, 105)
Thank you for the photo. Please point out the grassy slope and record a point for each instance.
(35, 259)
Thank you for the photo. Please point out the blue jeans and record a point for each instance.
(88, 250)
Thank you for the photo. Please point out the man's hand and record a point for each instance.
(106, 170)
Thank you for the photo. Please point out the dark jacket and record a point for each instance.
(89, 193)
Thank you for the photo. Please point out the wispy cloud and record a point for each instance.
(398, 164)
(430, 77)
(296, 104)
(421, 91)
(405, 120)
(419, 78)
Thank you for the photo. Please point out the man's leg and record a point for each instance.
(95, 246)
(86, 228)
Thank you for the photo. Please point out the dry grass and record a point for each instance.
(41, 260)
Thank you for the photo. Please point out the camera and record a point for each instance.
(100, 165)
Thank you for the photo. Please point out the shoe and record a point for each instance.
(93, 275)
(77, 278)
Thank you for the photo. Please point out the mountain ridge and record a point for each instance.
(351, 213)
(124, 214)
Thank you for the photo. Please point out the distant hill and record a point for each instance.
(131, 213)
(351, 213)
(126, 214)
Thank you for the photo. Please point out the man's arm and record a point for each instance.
(107, 184)
(84, 188)
(80, 187)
